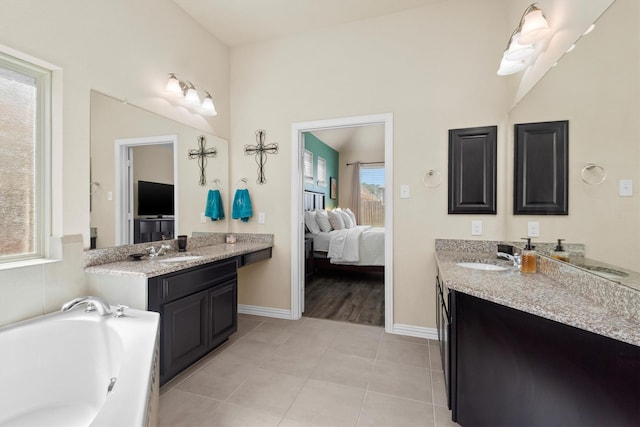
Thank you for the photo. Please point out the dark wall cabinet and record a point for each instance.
(472, 170)
(513, 368)
(152, 230)
(541, 169)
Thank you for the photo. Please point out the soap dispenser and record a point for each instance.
(529, 260)
(559, 253)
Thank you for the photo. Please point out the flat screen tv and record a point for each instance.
(155, 199)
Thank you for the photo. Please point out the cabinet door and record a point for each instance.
(184, 332)
(223, 302)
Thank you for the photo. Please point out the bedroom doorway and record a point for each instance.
(297, 204)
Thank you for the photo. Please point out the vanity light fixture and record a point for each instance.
(188, 91)
(521, 49)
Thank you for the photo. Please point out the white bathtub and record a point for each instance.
(56, 370)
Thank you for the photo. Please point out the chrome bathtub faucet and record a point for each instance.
(93, 304)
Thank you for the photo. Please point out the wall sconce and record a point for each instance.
(521, 49)
(188, 91)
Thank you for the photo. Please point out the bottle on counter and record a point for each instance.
(559, 253)
(529, 258)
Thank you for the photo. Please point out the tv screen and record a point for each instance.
(155, 199)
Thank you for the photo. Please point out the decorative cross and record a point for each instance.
(260, 150)
(201, 154)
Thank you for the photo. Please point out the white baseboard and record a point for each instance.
(254, 310)
(415, 331)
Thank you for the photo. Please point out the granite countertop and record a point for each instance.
(555, 292)
(151, 267)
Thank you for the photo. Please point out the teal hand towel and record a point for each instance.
(241, 205)
(214, 209)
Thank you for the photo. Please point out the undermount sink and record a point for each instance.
(481, 266)
(180, 258)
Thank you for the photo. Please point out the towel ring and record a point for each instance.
(432, 179)
(593, 174)
(216, 183)
(242, 183)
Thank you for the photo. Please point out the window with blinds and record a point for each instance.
(308, 166)
(322, 172)
(372, 195)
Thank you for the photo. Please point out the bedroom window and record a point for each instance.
(24, 113)
(322, 172)
(308, 166)
(372, 195)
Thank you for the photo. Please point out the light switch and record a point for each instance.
(261, 217)
(533, 229)
(625, 188)
(110, 195)
(404, 191)
(476, 228)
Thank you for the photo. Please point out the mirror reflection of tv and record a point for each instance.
(155, 199)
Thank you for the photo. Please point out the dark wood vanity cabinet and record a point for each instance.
(443, 324)
(198, 312)
(512, 368)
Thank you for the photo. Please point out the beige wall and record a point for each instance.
(418, 65)
(123, 48)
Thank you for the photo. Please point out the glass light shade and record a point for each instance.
(535, 27)
(508, 67)
(191, 96)
(207, 106)
(173, 85)
(517, 51)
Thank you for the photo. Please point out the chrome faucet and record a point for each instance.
(93, 304)
(515, 258)
(154, 253)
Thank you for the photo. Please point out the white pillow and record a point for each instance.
(352, 215)
(322, 218)
(335, 218)
(348, 223)
(310, 222)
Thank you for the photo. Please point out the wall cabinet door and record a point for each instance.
(185, 329)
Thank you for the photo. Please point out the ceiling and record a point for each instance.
(237, 22)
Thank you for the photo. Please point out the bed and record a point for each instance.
(357, 248)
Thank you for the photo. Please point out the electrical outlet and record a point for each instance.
(261, 217)
(476, 228)
(533, 229)
(110, 195)
(203, 219)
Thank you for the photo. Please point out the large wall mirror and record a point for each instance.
(596, 88)
(158, 148)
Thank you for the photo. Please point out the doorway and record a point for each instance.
(124, 191)
(297, 207)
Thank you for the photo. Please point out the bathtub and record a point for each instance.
(80, 369)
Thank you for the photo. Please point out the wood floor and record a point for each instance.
(346, 296)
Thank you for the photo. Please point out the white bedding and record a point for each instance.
(360, 245)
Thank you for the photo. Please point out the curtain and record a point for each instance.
(355, 191)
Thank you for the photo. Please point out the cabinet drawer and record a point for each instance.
(256, 256)
(187, 282)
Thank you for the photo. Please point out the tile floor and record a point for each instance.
(310, 372)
